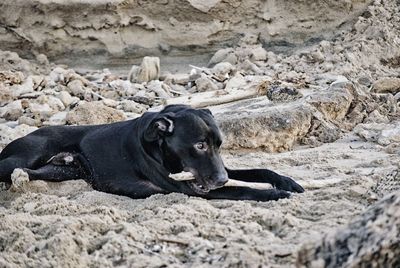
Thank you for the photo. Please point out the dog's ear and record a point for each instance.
(159, 127)
(207, 111)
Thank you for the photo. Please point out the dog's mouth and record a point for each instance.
(198, 187)
(198, 184)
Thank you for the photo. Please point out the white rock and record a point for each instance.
(59, 118)
(12, 111)
(148, 70)
(222, 70)
(258, 54)
(222, 55)
(26, 87)
(110, 103)
(76, 88)
(41, 109)
(236, 82)
(204, 5)
(205, 84)
(132, 107)
(66, 98)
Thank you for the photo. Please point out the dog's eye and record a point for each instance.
(202, 146)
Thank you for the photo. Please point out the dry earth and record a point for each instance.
(326, 114)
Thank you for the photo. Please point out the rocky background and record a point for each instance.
(310, 89)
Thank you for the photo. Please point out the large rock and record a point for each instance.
(256, 123)
(93, 113)
(372, 240)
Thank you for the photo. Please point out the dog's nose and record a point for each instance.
(220, 180)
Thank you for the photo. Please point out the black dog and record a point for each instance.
(135, 157)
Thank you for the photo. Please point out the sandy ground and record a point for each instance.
(68, 224)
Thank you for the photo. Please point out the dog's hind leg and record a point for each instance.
(265, 176)
(61, 167)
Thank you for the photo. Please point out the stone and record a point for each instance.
(205, 84)
(25, 87)
(222, 55)
(66, 98)
(59, 118)
(223, 70)
(93, 113)
(132, 107)
(258, 54)
(110, 103)
(76, 88)
(148, 70)
(28, 121)
(43, 110)
(381, 133)
(42, 59)
(256, 124)
(204, 5)
(371, 240)
(20, 180)
(387, 85)
(12, 111)
(143, 97)
(334, 102)
(236, 82)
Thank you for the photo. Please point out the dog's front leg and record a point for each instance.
(265, 176)
(129, 187)
(246, 193)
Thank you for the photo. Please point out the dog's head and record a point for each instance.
(189, 140)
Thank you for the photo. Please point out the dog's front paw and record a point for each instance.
(287, 184)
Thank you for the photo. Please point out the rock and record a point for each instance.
(158, 88)
(93, 113)
(371, 240)
(26, 87)
(223, 55)
(223, 70)
(28, 121)
(387, 85)
(279, 93)
(8, 134)
(76, 88)
(133, 73)
(12, 111)
(110, 103)
(317, 56)
(258, 54)
(148, 70)
(143, 97)
(66, 98)
(43, 110)
(205, 84)
(59, 118)
(42, 59)
(204, 5)
(249, 66)
(381, 133)
(236, 82)
(20, 180)
(255, 124)
(11, 78)
(181, 79)
(132, 107)
(55, 103)
(334, 102)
